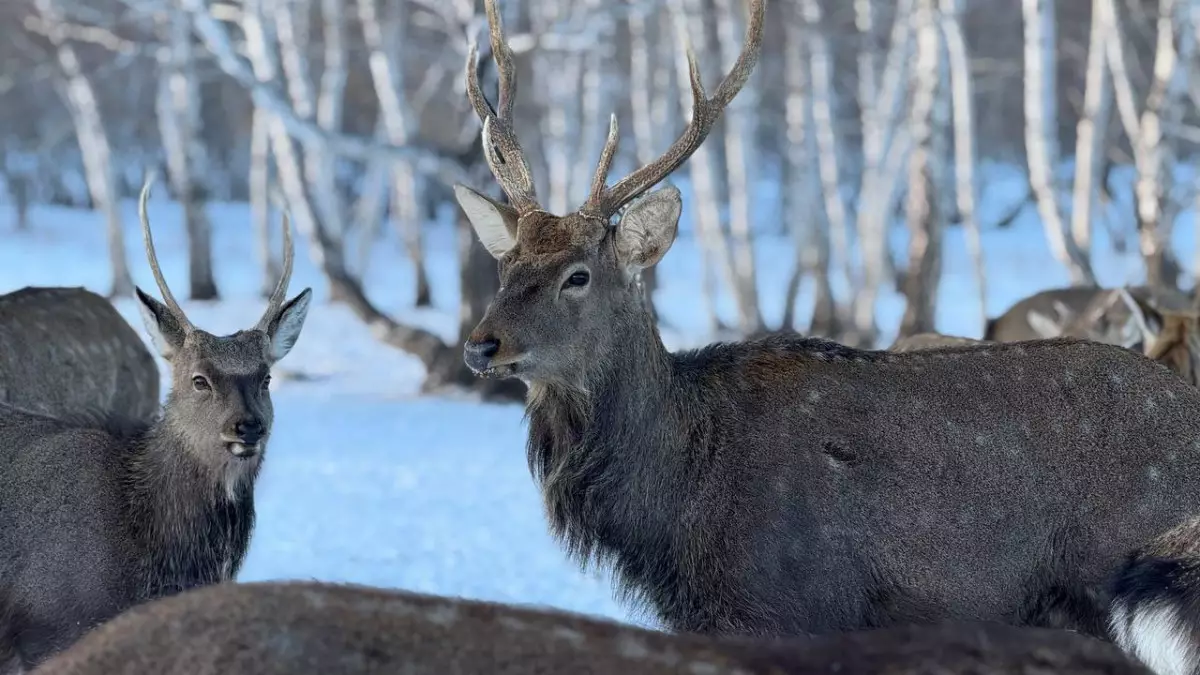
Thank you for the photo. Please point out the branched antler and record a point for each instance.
(508, 162)
(500, 145)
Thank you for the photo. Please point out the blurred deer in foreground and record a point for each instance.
(289, 628)
(784, 485)
(69, 351)
(102, 512)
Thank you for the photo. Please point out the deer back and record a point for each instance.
(275, 628)
(930, 341)
(68, 350)
(1177, 345)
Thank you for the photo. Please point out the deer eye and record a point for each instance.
(578, 279)
(200, 384)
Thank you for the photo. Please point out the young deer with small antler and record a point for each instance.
(786, 485)
(69, 351)
(98, 515)
(295, 628)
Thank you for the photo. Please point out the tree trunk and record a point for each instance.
(178, 111)
(924, 223)
(1090, 133)
(259, 188)
(1041, 134)
(93, 144)
(962, 97)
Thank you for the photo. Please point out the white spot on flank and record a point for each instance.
(814, 396)
(569, 634)
(1156, 637)
(1153, 473)
(632, 648)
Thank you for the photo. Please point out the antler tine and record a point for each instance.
(500, 145)
(705, 112)
(280, 293)
(152, 256)
(595, 200)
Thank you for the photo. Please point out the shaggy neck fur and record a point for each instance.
(601, 448)
(192, 518)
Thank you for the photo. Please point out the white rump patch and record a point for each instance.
(1157, 637)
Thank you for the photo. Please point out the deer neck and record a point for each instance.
(600, 448)
(193, 518)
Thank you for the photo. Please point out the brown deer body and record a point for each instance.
(783, 485)
(930, 341)
(68, 350)
(1083, 312)
(295, 628)
(99, 513)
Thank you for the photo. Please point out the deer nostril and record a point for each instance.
(249, 430)
(485, 348)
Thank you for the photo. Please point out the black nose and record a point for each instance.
(249, 431)
(478, 354)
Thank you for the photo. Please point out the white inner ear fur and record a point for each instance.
(494, 224)
(290, 323)
(1043, 325)
(156, 336)
(648, 228)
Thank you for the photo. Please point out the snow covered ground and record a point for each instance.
(368, 482)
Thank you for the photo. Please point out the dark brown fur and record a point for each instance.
(294, 628)
(68, 351)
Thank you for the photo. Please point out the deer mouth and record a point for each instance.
(243, 450)
(497, 371)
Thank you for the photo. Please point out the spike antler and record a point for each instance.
(277, 296)
(168, 297)
(508, 163)
(500, 145)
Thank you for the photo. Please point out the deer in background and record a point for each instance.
(787, 485)
(1061, 312)
(68, 350)
(100, 513)
(288, 628)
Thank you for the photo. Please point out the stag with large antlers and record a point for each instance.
(292, 628)
(68, 350)
(98, 514)
(787, 485)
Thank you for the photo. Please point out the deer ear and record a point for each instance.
(494, 223)
(1043, 325)
(1148, 320)
(164, 329)
(648, 228)
(285, 330)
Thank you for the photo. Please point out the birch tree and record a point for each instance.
(387, 75)
(882, 80)
(1041, 134)
(924, 224)
(77, 92)
(1153, 153)
(822, 104)
(962, 98)
(1090, 132)
(178, 109)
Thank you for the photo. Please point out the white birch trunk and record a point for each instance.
(925, 234)
(1041, 133)
(962, 97)
(330, 111)
(740, 127)
(381, 36)
(259, 188)
(822, 95)
(178, 111)
(880, 120)
(94, 145)
(1090, 134)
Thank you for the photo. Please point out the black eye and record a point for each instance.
(578, 279)
(200, 384)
